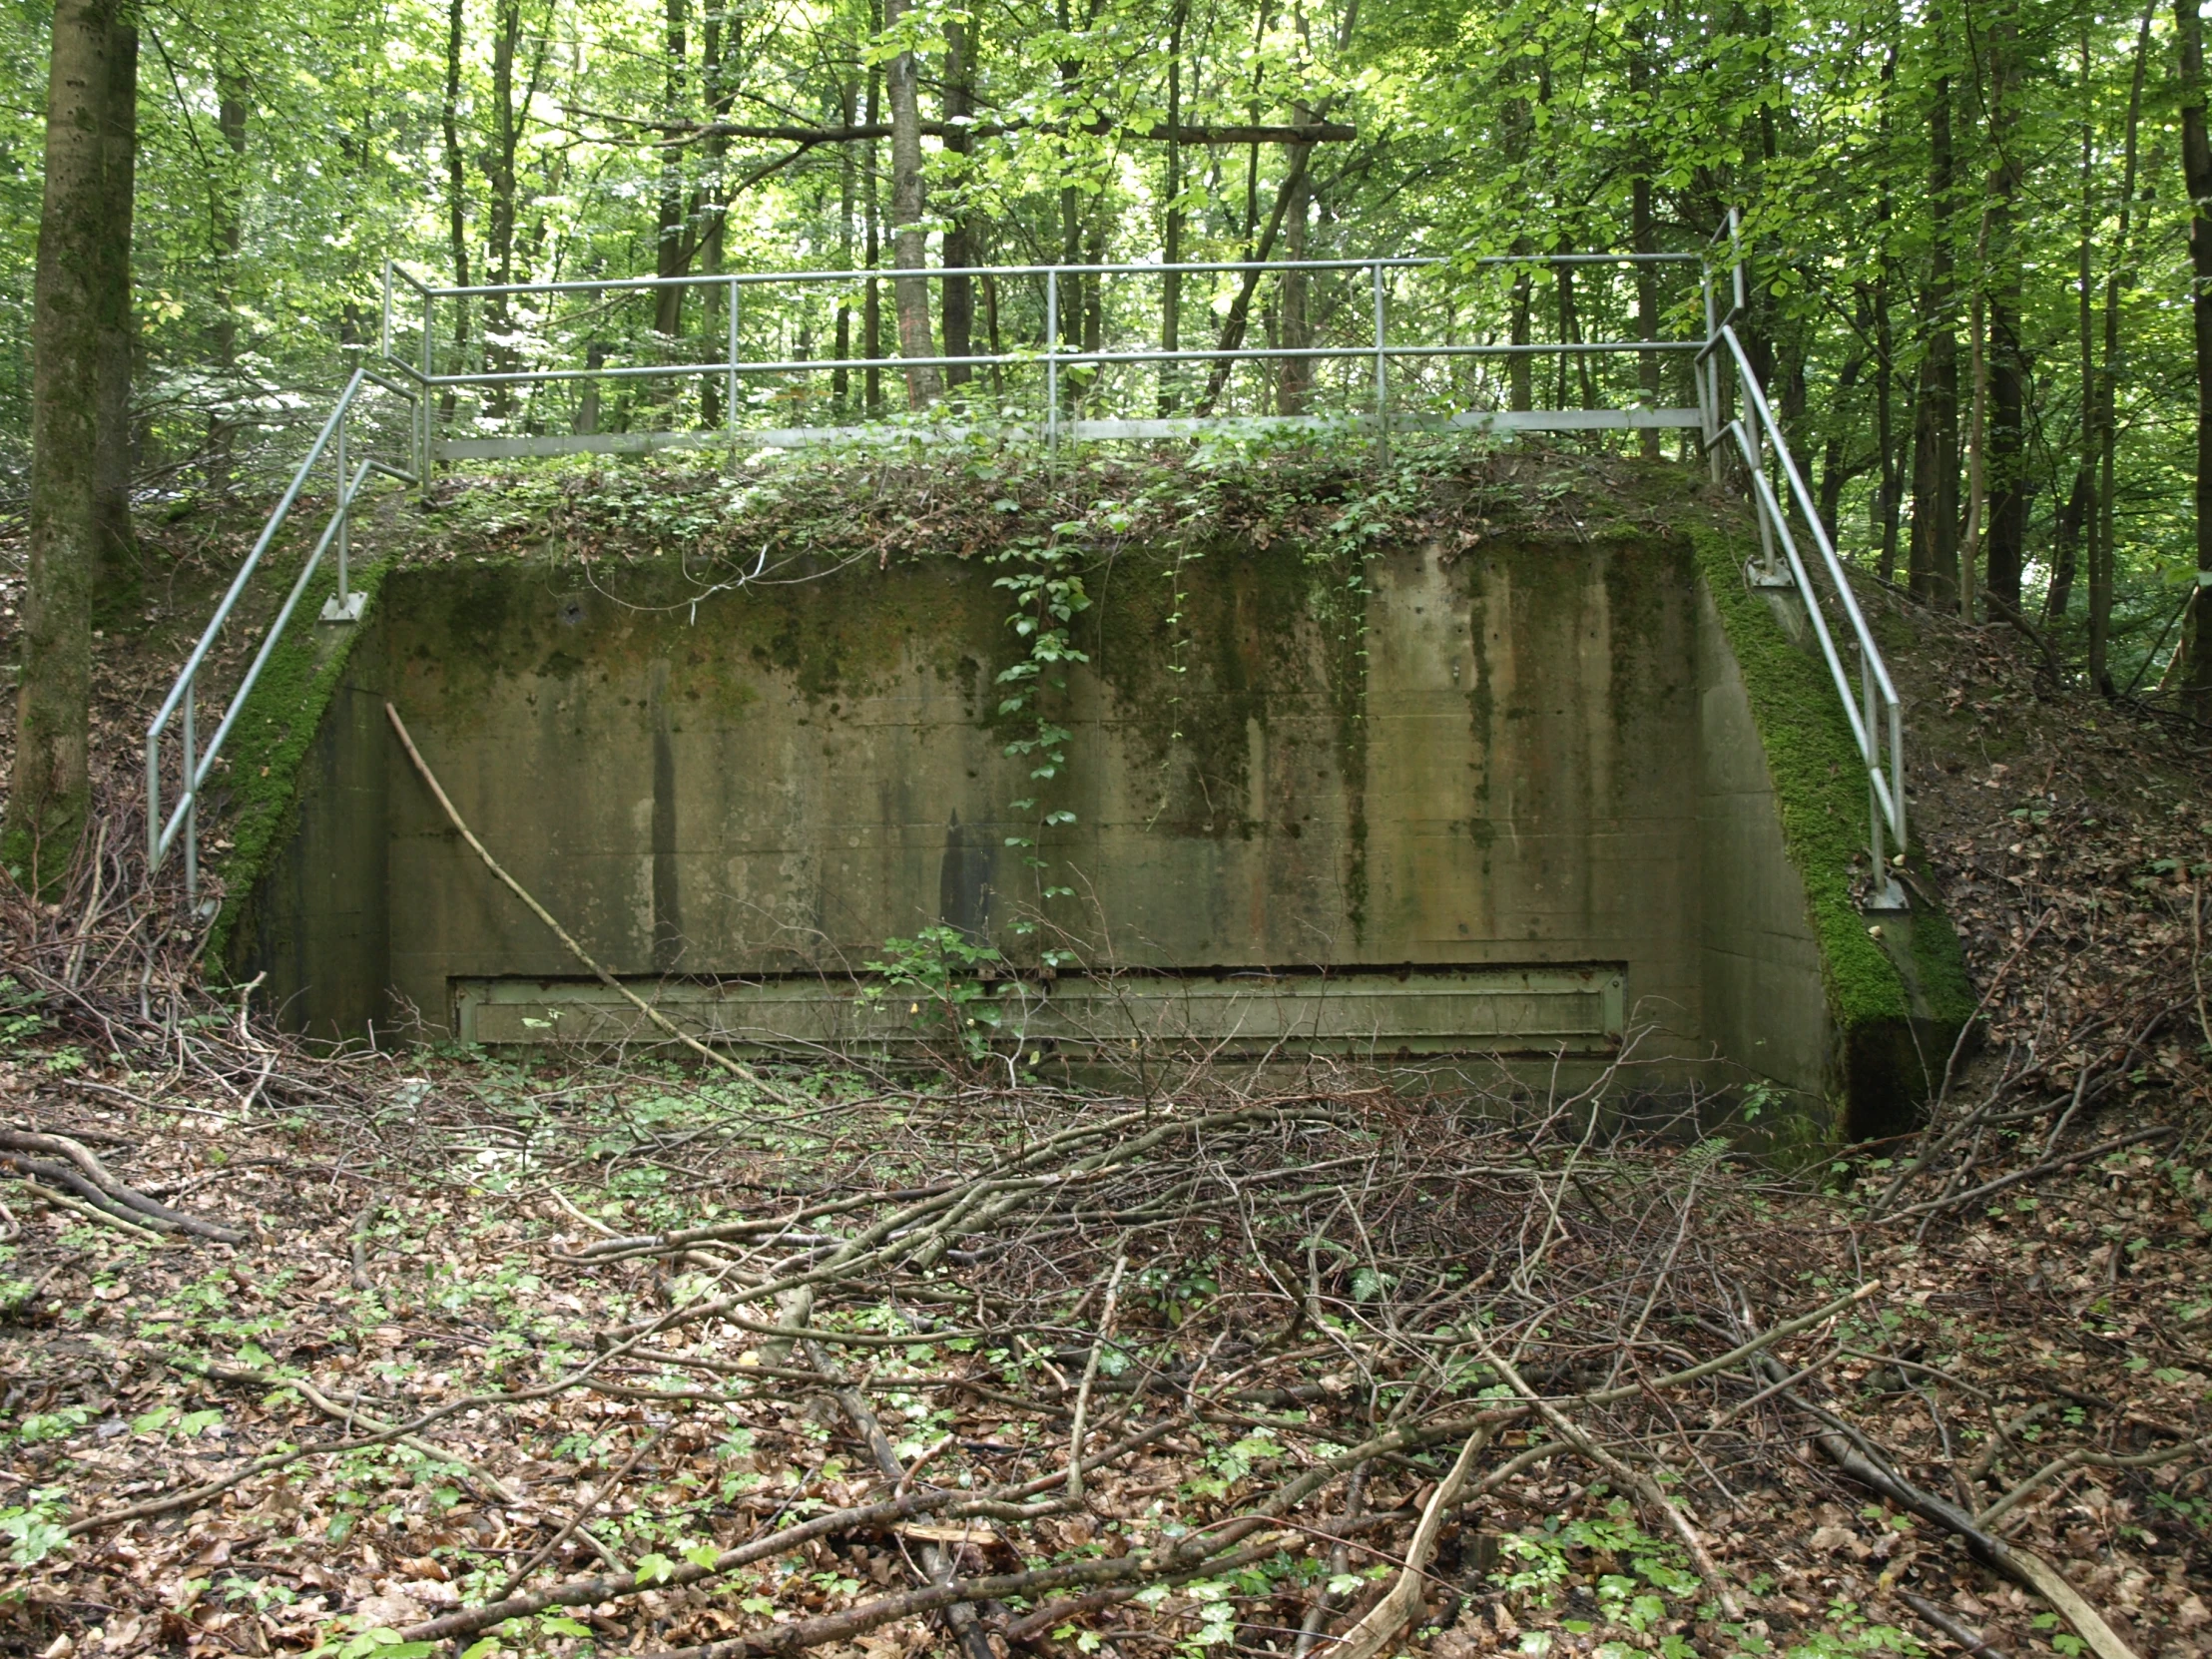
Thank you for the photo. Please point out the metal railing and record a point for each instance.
(1346, 370)
(1064, 380)
(1876, 714)
(344, 606)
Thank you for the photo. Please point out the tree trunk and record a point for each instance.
(961, 245)
(1977, 436)
(1240, 308)
(669, 259)
(840, 381)
(2196, 169)
(2117, 275)
(909, 238)
(1934, 557)
(1295, 375)
(2075, 519)
(51, 791)
(871, 299)
(456, 193)
(1885, 346)
(1171, 281)
(1643, 237)
(499, 178)
(121, 583)
(226, 232)
(2005, 464)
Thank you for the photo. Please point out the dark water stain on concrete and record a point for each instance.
(668, 912)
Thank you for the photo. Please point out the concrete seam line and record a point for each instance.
(732, 1067)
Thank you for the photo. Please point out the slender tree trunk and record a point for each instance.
(2196, 168)
(1514, 123)
(2075, 519)
(225, 228)
(909, 238)
(499, 181)
(961, 245)
(1171, 281)
(1643, 237)
(1977, 434)
(2006, 463)
(718, 85)
(2118, 274)
(1296, 373)
(121, 583)
(1835, 467)
(50, 796)
(871, 299)
(1934, 558)
(1240, 308)
(1884, 345)
(456, 191)
(840, 381)
(668, 251)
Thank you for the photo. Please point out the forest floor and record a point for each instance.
(380, 1354)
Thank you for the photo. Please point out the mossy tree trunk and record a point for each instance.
(76, 301)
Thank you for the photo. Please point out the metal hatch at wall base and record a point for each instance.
(1526, 1009)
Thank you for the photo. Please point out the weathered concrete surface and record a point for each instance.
(1527, 756)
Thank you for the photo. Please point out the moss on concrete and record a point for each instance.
(260, 793)
(1897, 991)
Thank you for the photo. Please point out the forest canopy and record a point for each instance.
(1913, 179)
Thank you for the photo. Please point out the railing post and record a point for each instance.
(1887, 893)
(1770, 573)
(344, 605)
(383, 341)
(1382, 376)
(191, 794)
(1051, 366)
(428, 409)
(730, 384)
(1709, 378)
(153, 798)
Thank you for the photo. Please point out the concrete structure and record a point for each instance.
(1513, 799)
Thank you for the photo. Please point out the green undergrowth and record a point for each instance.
(987, 497)
(258, 793)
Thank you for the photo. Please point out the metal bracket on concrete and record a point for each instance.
(1762, 577)
(347, 609)
(1887, 896)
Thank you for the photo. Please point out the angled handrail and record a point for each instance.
(182, 821)
(1876, 714)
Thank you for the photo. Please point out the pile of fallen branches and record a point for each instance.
(1281, 1365)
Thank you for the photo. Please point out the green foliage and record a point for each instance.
(937, 973)
(34, 1528)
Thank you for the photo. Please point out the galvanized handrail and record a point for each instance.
(1719, 367)
(1057, 358)
(345, 606)
(1876, 714)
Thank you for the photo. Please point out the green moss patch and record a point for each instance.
(259, 796)
(1898, 997)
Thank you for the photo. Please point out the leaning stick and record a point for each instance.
(2023, 1566)
(1379, 1628)
(1090, 1374)
(735, 1068)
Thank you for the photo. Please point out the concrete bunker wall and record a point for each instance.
(1512, 800)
